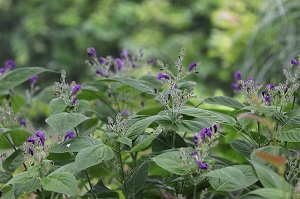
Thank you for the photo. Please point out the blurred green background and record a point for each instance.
(257, 37)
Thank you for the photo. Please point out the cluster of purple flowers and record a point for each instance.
(9, 65)
(266, 95)
(75, 90)
(39, 137)
(237, 76)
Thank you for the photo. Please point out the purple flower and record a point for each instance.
(100, 72)
(205, 132)
(202, 166)
(126, 112)
(150, 61)
(235, 87)
(41, 136)
(33, 79)
(268, 99)
(196, 138)
(31, 139)
(125, 54)
(2, 70)
(174, 86)
(120, 63)
(10, 65)
(294, 62)
(208, 133)
(192, 66)
(264, 92)
(23, 122)
(162, 76)
(74, 100)
(69, 135)
(102, 60)
(271, 86)
(194, 154)
(0, 193)
(91, 52)
(75, 88)
(237, 76)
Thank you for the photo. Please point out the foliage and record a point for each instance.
(118, 136)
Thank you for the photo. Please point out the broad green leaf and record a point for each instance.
(8, 194)
(270, 179)
(207, 115)
(146, 141)
(75, 144)
(191, 126)
(270, 193)
(84, 106)
(151, 81)
(163, 142)
(13, 161)
(71, 168)
(224, 101)
(140, 126)
(125, 140)
(232, 178)
(25, 176)
(292, 135)
(57, 105)
(16, 136)
(30, 186)
(134, 83)
(99, 187)
(93, 155)
(63, 182)
(62, 122)
(18, 76)
(242, 146)
(171, 161)
(271, 150)
(293, 121)
(137, 179)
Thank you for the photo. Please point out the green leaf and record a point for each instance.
(125, 140)
(57, 105)
(191, 126)
(270, 150)
(30, 186)
(171, 161)
(146, 141)
(75, 144)
(137, 179)
(232, 178)
(8, 194)
(17, 136)
(25, 176)
(292, 135)
(62, 122)
(140, 126)
(134, 83)
(243, 147)
(93, 155)
(270, 193)
(207, 115)
(13, 161)
(99, 187)
(18, 76)
(224, 101)
(63, 182)
(293, 121)
(270, 179)
(70, 168)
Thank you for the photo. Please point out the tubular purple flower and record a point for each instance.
(196, 138)
(125, 54)
(75, 88)
(126, 112)
(41, 136)
(235, 87)
(91, 52)
(294, 62)
(208, 133)
(192, 66)
(23, 122)
(74, 100)
(268, 99)
(2, 70)
(271, 86)
(120, 63)
(100, 72)
(203, 133)
(150, 61)
(202, 166)
(10, 65)
(237, 75)
(102, 60)
(69, 135)
(32, 80)
(194, 154)
(31, 139)
(162, 76)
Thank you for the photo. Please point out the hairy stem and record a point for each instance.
(123, 181)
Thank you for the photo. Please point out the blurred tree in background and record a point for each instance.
(224, 35)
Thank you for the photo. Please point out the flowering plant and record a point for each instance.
(149, 136)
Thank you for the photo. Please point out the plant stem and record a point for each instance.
(173, 139)
(89, 180)
(293, 105)
(122, 170)
(195, 192)
(258, 131)
(43, 192)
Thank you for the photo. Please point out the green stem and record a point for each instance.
(76, 131)
(195, 192)
(122, 170)
(258, 131)
(89, 180)
(52, 195)
(173, 139)
(43, 192)
(293, 105)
